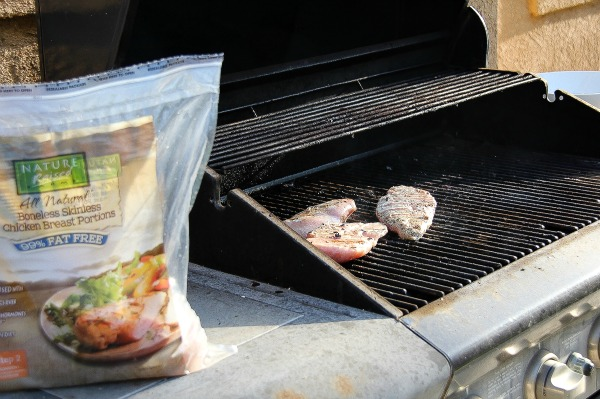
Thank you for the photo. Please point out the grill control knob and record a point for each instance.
(580, 364)
(548, 378)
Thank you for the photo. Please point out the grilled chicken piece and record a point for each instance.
(344, 242)
(334, 211)
(120, 323)
(407, 211)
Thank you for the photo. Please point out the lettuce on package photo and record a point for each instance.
(97, 177)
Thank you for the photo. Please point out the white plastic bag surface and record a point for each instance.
(97, 178)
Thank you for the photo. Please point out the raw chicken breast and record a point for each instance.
(339, 230)
(407, 211)
(334, 211)
(344, 242)
(119, 323)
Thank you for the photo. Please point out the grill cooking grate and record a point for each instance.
(272, 135)
(495, 205)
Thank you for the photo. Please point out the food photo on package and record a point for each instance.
(97, 177)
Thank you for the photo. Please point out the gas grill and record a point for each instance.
(344, 100)
(516, 178)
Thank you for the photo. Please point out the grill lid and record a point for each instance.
(277, 50)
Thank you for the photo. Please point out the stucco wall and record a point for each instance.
(19, 55)
(488, 9)
(542, 35)
(548, 35)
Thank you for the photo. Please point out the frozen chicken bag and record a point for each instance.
(97, 177)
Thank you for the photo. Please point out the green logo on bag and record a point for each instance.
(104, 167)
(51, 174)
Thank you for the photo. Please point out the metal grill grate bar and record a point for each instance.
(275, 134)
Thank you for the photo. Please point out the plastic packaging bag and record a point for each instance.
(98, 175)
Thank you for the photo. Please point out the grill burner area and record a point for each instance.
(495, 205)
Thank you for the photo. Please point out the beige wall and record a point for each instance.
(488, 9)
(19, 55)
(542, 35)
(548, 35)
